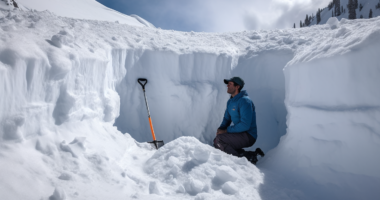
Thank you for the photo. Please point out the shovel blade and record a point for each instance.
(157, 144)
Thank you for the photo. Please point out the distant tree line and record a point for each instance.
(337, 11)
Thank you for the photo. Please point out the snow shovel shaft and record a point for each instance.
(157, 144)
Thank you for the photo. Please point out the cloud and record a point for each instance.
(219, 15)
(296, 10)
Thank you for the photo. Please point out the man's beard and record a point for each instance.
(230, 92)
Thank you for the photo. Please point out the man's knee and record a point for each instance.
(218, 142)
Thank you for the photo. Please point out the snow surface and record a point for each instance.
(79, 9)
(68, 87)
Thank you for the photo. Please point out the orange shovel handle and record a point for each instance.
(151, 128)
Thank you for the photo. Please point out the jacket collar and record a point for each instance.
(240, 95)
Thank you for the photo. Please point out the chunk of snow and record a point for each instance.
(333, 22)
(58, 194)
(229, 188)
(154, 188)
(224, 174)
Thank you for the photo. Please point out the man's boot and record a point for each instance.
(252, 155)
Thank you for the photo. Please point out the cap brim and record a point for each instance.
(226, 81)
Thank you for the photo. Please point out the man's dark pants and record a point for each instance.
(233, 143)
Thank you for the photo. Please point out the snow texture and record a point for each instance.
(69, 88)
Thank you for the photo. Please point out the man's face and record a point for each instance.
(231, 89)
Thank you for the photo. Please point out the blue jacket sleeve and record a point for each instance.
(226, 120)
(246, 113)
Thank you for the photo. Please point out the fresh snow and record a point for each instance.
(78, 9)
(69, 90)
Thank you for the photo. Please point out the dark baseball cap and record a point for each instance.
(236, 80)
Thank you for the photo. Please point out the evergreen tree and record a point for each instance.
(294, 26)
(307, 20)
(300, 24)
(378, 5)
(342, 10)
(331, 4)
(319, 16)
(356, 4)
(370, 14)
(332, 14)
(337, 7)
(351, 9)
(361, 16)
(360, 7)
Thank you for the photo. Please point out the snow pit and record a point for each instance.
(189, 97)
(87, 88)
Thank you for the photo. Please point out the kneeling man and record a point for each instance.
(241, 112)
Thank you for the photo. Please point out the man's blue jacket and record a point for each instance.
(241, 111)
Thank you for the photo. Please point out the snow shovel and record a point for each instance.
(157, 144)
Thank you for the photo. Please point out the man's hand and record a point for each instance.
(221, 131)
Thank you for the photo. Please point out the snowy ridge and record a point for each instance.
(78, 9)
(66, 82)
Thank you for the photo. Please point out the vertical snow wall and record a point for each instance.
(333, 133)
(186, 93)
(187, 96)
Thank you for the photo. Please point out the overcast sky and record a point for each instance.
(219, 15)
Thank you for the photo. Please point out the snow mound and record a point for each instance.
(333, 22)
(187, 166)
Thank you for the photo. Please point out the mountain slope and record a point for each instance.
(79, 9)
(364, 12)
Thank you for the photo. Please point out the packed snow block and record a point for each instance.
(76, 147)
(193, 186)
(9, 56)
(60, 64)
(59, 194)
(229, 188)
(62, 108)
(64, 37)
(224, 174)
(66, 148)
(11, 130)
(44, 147)
(111, 103)
(154, 188)
(65, 176)
(201, 155)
